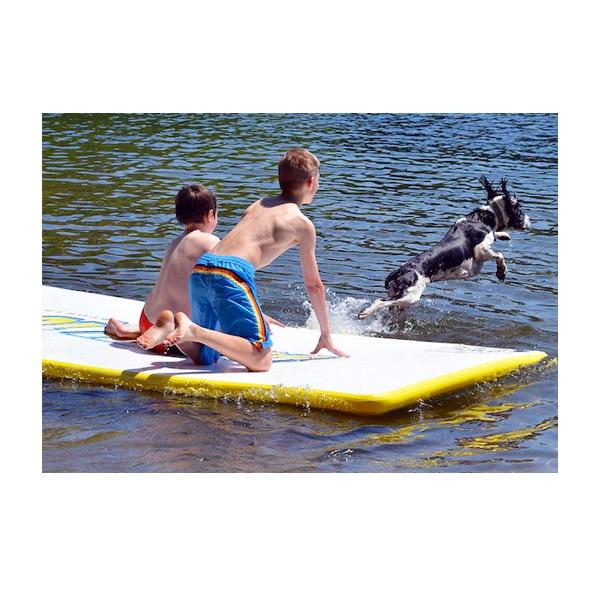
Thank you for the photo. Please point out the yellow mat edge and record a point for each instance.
(456, 380)
(357, 404)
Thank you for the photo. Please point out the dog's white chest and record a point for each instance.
(482, 250)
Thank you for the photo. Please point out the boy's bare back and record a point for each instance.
(267, 229)
(171, 288)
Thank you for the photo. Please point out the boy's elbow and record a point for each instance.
(315, 287)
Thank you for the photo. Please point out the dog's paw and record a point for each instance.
(369, 310)
(501, 274)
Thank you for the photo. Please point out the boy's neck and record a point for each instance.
(203, 227)
(298, 199)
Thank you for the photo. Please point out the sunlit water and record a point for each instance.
(391, 185)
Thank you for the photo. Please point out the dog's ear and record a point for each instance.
(489, 188)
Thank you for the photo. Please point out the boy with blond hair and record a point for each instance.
(222, 287)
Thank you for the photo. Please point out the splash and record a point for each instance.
(343, 311)
(342, 316)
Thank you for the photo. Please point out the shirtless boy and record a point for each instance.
(222, 285)
(196, 210)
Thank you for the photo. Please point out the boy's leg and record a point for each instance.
(191, 350)
(204, 315)
(232, 346)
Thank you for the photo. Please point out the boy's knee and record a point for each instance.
(262, 362)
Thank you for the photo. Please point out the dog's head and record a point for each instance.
(506, 206)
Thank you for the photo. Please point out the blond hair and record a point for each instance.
(295, 168)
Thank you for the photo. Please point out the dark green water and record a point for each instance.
(391, 185)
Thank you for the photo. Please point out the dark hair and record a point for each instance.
(296, 166)
(193, 203)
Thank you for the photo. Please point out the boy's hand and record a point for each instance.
(326, 342)
(271, 321)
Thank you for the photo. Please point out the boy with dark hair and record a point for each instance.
(222, 288)
(196, 210)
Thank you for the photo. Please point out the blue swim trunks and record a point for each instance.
(223, 297)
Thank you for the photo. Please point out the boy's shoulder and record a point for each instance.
(200, 240)
(196, 234)
(290, 209)
(202, 236)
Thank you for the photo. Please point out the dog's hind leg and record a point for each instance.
(379, 304)
(411, 296)
(367, 312)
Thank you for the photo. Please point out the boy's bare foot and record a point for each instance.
(157, 334)
(182, 324)
(118, 330)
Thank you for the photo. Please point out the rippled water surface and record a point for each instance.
(391, 185)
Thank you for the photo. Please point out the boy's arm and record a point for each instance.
(199, 244)
(307, 241)
(208, 242)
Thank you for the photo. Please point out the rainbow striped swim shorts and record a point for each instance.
(223, 297)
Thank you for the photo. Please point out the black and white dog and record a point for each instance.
(460, 254)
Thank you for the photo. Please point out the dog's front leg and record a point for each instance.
(500, 266)
(489, 254)
(484, 252)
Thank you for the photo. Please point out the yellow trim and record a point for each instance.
(357, 404)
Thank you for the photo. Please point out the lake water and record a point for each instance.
(391, 185)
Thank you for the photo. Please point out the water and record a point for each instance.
(391, 185)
